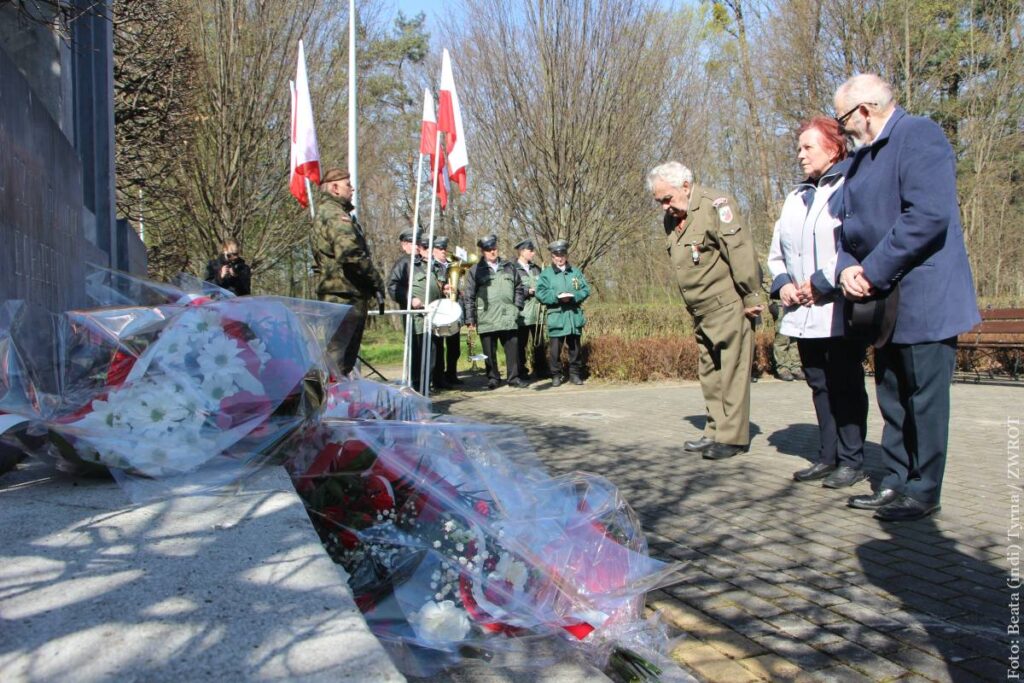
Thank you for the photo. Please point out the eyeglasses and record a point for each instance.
(845, 117)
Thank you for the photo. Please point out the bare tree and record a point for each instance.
(566, 104)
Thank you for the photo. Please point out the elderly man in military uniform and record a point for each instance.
(530, 317)
(398, 290)
(493, 298)
(563, 289)
(716, 269)
(341, 260)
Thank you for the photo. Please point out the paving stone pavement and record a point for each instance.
(785, 582)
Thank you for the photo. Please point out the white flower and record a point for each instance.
(511, 570)
(449, 526)
(260, 349)
(441, 622)
(219, 387)
(199, 323)
(220, 356)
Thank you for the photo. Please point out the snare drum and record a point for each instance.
(445, 317)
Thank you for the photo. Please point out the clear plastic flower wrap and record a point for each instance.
(456, 540)
(364, 399)
(170, 394)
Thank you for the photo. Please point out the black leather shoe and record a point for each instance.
(575, 380)
(905, 509)
(556, 381)
(721, 451)
(517, 383)
(874, 500)
(816, 471)
(492, 384)
(701, 444)
(843, 477)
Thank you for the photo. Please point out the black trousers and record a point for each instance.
(417, 360)
(912, 383)
(555, 355)
(529, 340)
(835, 373)
(509, 340)
(452, 351)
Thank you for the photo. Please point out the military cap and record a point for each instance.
(558, 247)
(526, 244)
(423, 239)
(441, 242)
(487, 242)
(334, 174)
(405, 235)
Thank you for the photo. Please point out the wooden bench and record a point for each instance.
(995, 344)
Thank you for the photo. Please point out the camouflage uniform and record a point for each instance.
(718, 275)
(341, 261)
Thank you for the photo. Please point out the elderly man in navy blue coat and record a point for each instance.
(902, 236)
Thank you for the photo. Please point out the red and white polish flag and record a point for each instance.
(449, 121)
(305, 156)
(428, 145)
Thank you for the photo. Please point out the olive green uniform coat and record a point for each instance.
(530, 315)
(718, 275)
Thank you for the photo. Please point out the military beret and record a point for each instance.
(487, 242)
(558, 247)
(526, 244)
(334, 174)
(441, 242)
(405, 236)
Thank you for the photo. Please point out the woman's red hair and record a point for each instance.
(832, 138)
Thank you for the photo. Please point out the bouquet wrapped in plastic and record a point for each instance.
(160, 392)
(457, 540)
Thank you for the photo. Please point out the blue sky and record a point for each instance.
(413, 7)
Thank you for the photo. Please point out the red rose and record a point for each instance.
(481, 507)
(120, 365)
(380, 493)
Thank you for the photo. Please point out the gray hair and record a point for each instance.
(866, 89)
(672, 172)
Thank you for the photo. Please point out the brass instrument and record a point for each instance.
(456, 269)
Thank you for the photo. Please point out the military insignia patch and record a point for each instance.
(725, 214)
(720, 202)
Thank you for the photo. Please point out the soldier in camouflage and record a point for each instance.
(718, 275)
(341, 261)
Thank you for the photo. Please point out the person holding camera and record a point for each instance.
(229, 270)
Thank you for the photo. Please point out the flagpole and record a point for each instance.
(353, 158)
(407, 377)
(309, 198)
(429, 319)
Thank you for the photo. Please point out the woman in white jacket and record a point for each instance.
(802, 262)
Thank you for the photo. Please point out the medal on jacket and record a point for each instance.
(694, 253)
(575, 283)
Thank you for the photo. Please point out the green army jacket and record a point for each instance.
(564, 317)
(341, 257)
(419, 288)
(530, 315)
(713, 254)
